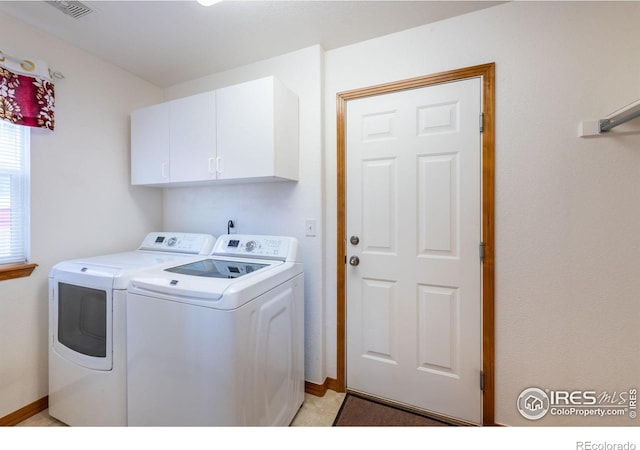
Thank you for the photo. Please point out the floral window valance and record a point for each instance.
(27, 95)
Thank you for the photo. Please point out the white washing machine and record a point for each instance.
(220, 341)
(87, 342)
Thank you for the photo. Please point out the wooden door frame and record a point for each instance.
(487, 74)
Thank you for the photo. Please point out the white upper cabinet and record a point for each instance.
(150, 145)
(193, 138)
(257, 131)
(246, 132)
(174, 142)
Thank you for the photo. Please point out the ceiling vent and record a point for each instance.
(70, 8)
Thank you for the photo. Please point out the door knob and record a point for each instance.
(355, 240)
(354, 260)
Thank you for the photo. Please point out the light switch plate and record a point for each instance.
(310, 227)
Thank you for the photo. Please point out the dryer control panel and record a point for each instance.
(255, 246)
(188, 243)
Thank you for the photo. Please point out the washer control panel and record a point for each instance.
(268, 247)
(189, 243)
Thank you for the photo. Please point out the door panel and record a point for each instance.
(413, 317)
(438, 324)
(379, 217)
(437, 205)
(379, 320)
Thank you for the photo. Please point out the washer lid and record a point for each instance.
(217, 268)
(180, 287)
(223, 292)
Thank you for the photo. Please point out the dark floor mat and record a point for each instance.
(359, 412)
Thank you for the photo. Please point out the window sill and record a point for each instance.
(23, 270)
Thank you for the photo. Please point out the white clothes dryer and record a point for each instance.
(87, 326)
(219, 341)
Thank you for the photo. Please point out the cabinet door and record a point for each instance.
(150, 145)
(245, 118)
(193, 138)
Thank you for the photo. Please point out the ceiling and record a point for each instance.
(169, 42)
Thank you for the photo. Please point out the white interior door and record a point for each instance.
(413, 201)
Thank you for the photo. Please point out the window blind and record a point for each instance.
(14, 193)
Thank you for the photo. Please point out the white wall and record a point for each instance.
(567, 208)
(81, 200)
(270, 208)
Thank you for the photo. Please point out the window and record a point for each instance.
(14, 194)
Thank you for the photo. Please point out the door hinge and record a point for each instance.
(481, 251)
(481, 122)
(481, 380)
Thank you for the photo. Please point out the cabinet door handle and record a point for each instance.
(219, 165)
(211, 169)
(165, 170)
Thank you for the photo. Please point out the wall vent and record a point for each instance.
(71, 8)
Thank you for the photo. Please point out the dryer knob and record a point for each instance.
(250, 246)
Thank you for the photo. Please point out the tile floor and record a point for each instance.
(315, 412)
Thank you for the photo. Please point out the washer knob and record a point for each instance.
(250, 246)
(172, 241)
